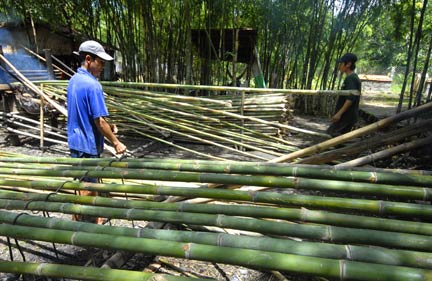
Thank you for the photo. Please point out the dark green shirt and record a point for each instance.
(351, 82)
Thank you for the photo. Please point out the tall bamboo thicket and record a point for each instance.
(298, 43)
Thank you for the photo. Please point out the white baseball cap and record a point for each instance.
(95, 48)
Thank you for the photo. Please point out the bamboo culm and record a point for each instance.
(395, 176)
(314, 232)
(84, 273)
(377, 207)
(265, 181)
(302, 214)
(304, 248)
(344, 270)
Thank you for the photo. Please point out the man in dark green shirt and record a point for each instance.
(346, 112)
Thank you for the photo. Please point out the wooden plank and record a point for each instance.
(4, 87)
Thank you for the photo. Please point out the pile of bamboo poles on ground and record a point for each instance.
(411, 136)
(239, 123)
(172, 119)
(361, 231)
(19, 124)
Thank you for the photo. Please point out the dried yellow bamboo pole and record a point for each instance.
(234, 89)
(354, 134)
(33, 87)
(386, 153)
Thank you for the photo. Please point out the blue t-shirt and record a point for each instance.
(85, 102)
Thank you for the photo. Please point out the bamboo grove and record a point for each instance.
(350, 224)
(298, 42)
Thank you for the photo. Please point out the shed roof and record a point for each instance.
(375, 78)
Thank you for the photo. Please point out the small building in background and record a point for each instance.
(59, 40)
(376, 83)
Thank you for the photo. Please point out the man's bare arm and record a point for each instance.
(107, 130)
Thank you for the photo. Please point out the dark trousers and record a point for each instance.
(79, 154)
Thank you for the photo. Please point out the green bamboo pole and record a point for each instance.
(303, 215)
(193, 130)
(230, 114)
(314, 232)
(234, 134)
(208, 141)
(206, 155)
(385, 176)
(124, 92)
(225, 88)
(83, 273)
(258, 92)
(344, 270)
(381, 208)
(265, 181)
(303, 248)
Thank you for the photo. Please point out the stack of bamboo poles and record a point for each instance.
(240, 123)
(363, 231)
(223, 122)
(16, 123)
(317, 153)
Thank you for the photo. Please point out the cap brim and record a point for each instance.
(104, 56)
(75, 53)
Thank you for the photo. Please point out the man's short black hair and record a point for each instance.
(82, 56)
(348, 57)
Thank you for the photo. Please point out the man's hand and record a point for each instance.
(336, 118)
(120, 147)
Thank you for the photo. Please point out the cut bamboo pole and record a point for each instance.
(303, 248)
(41, 118)
(251, 258)
(369, 143)
(384, 176)
(302, 215)
(356, 133)
(83, 273)
(233, 89)
(387, 152)
(33, 87)
(381, 208)
(303, 231)
(254, 180)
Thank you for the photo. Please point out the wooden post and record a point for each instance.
(49, 64)
(242, 113)
(41, 122)
(9, 105)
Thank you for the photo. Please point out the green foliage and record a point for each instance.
(298, 41)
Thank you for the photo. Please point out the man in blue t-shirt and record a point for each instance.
(86, 108)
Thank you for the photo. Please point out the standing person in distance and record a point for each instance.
(346, 112)
(86, 109)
